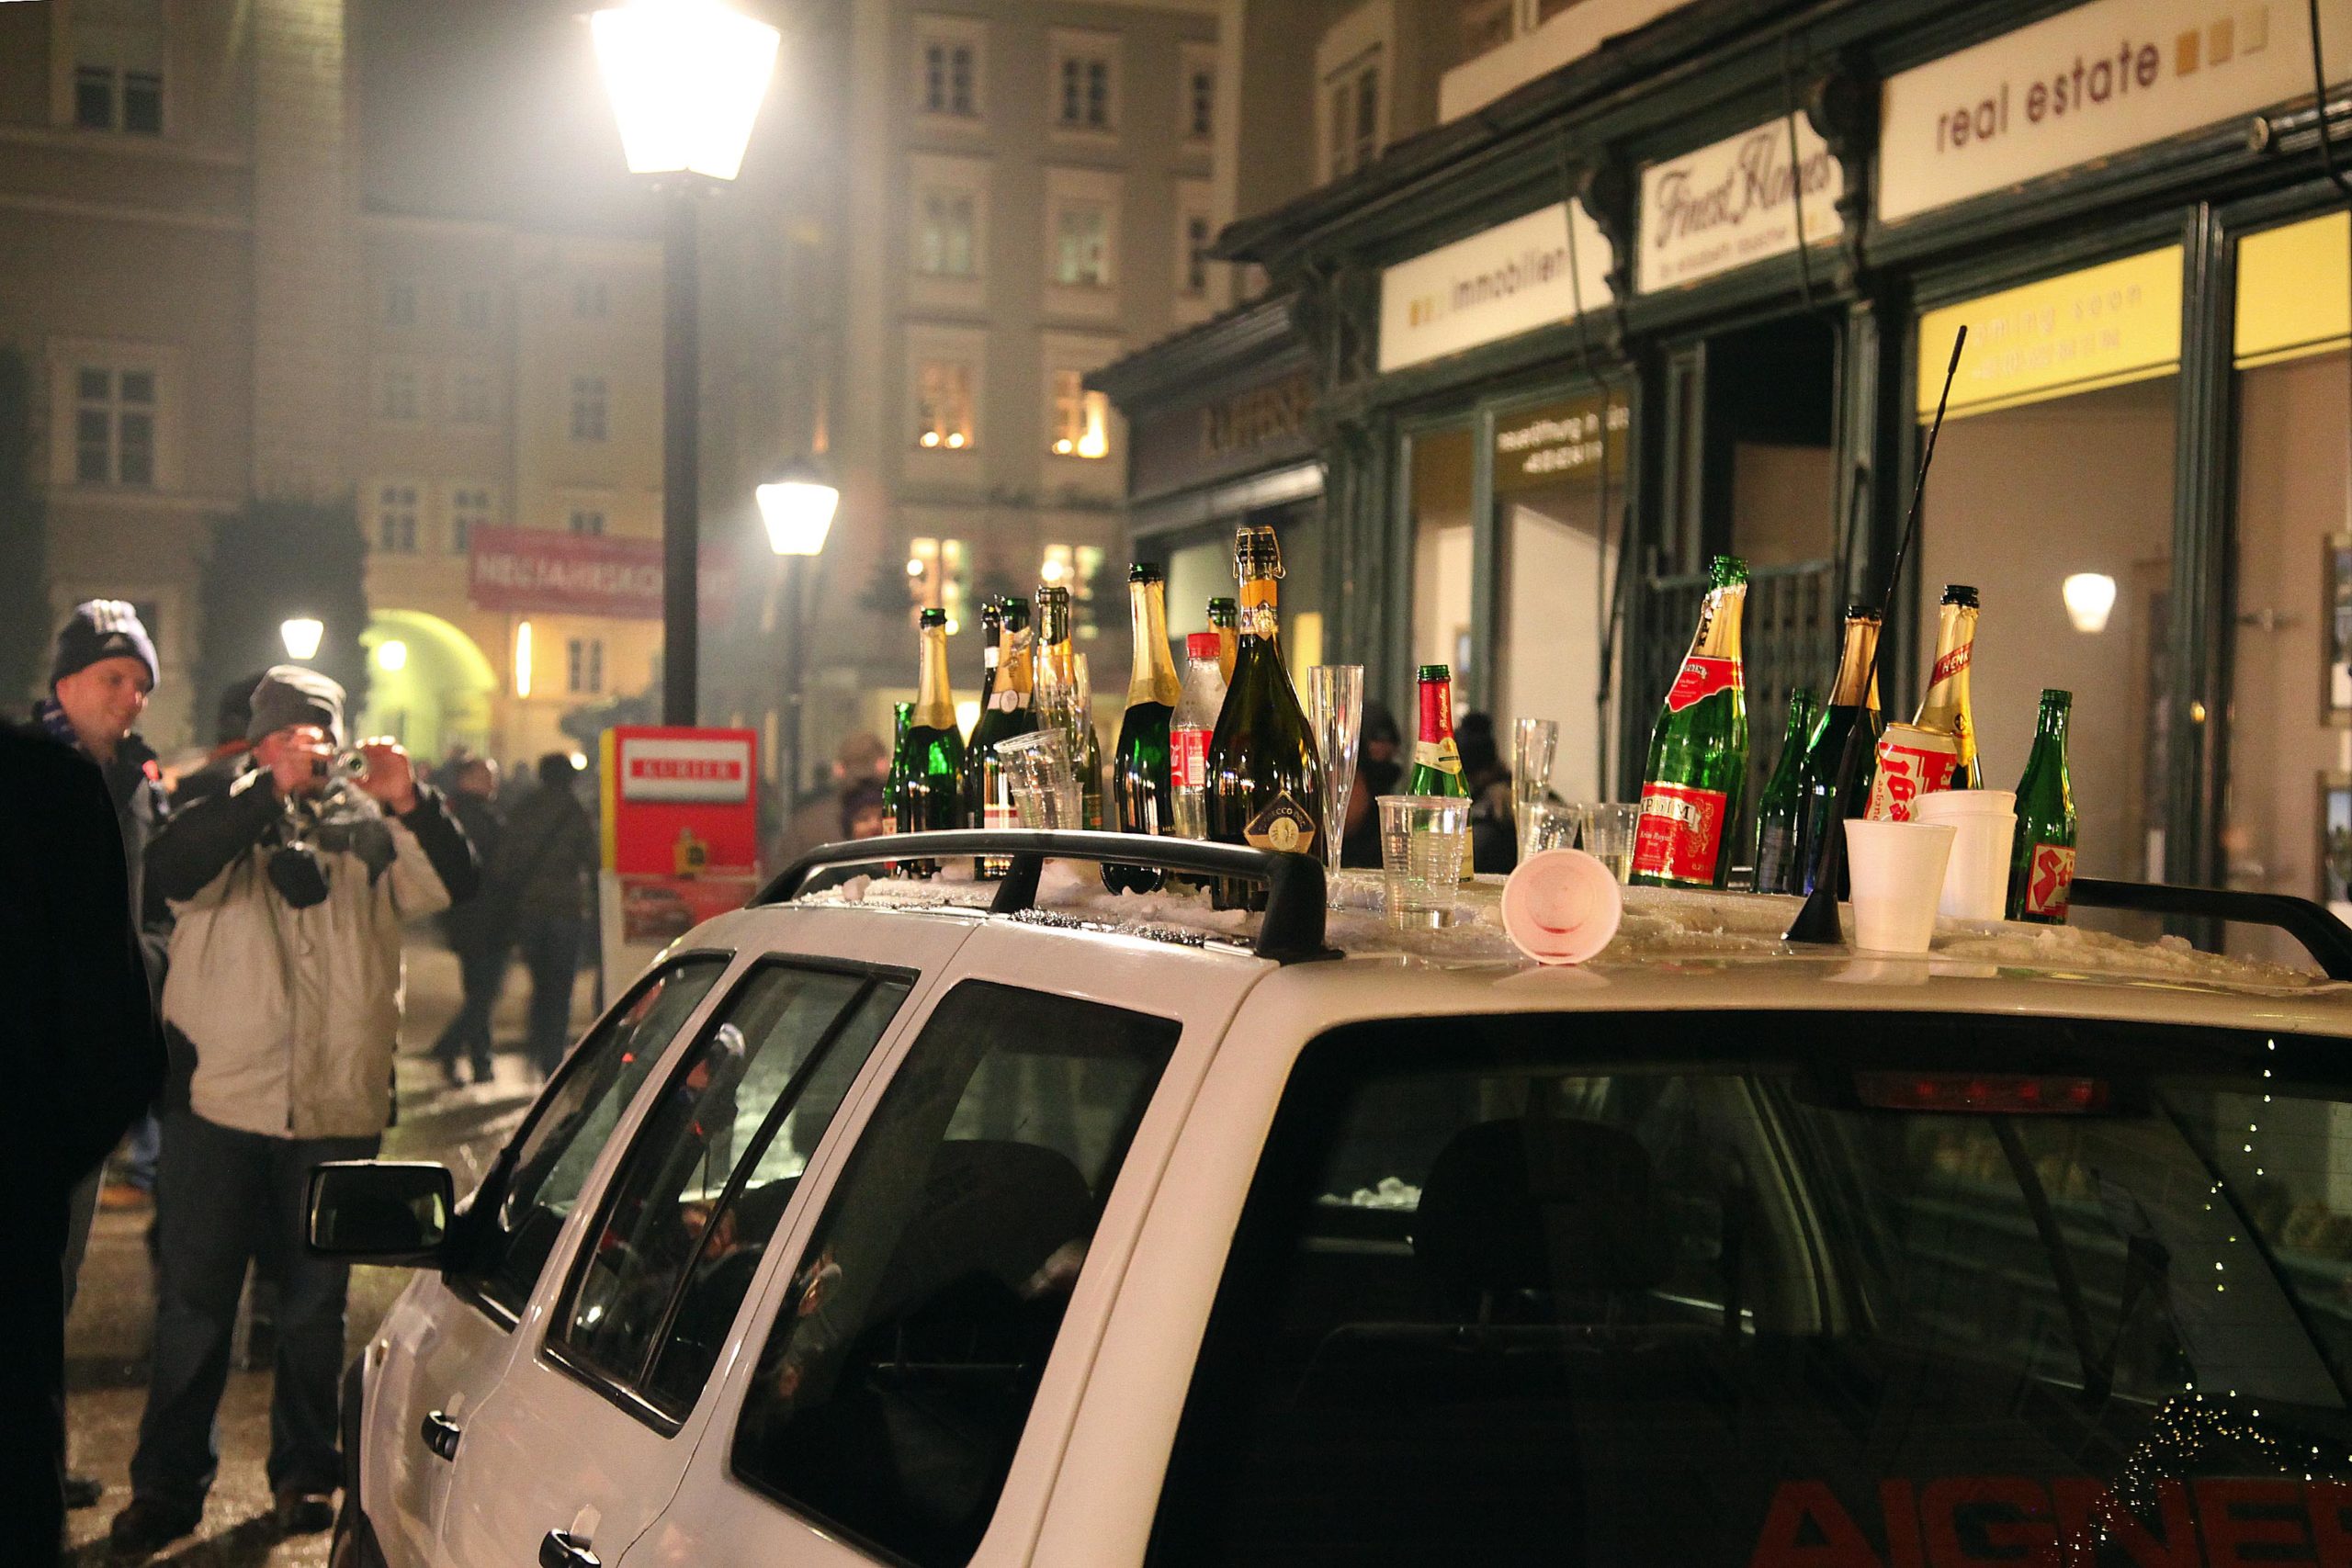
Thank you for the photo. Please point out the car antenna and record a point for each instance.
(1817, 921)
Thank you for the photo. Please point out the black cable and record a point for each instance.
(1611, 604)
(2335, 177)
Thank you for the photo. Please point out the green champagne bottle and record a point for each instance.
(894, 783)
(1063, 696)
(1266, 778)
(1853, 699)
(1697, 767)
(1141, 785)
(1437, 760)
(2042, 856)
(932, 794)
(1006, 711)
(1777, 869)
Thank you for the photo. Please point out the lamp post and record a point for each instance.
(796, 507)
(686, 78)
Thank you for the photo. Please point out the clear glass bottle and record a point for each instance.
(1189, 730)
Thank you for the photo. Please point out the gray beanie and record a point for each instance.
(290, 694)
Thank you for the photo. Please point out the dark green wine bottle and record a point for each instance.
(894, 783)
(1006, 711)
(1777, 867)
(1697, 767)
(932, 793)
(1140, 787)
(2042, 855)
(1853, 699)
(1265, 783)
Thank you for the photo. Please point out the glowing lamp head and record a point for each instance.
(301, 636)
(798, 508)
(2090, 597)
(391, 655)
(686, 78)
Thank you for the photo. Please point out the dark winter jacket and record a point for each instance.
(545, 854)
(134, 783)
(477, 924)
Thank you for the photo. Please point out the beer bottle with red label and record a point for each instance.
(1697, 767)
(2042, 857)
(1265, 779)
(1946, 707)
(1852, 701)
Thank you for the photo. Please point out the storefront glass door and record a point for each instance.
(1442, 464)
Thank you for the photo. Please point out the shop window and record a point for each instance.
(943, 234)
(1082, 244)
(1440, 463)
(944, 406)
(114, 426)
(583, 666)
(396, 519)
(590, 405)
(1081, 418)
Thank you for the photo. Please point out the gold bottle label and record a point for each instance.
(1283, 825)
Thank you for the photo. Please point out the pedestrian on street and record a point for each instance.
(546, 856)
(479, 932)
(281, 1012)
(100, 675)
(231, 714)
(82, 1058)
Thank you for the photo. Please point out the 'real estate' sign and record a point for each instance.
(1735, 203)
(535, 572)
(2089, 83)
(1509, 279)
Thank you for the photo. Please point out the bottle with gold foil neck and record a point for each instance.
(1141, 789)
(1853, 700)
(1265, 779)
(931, 789)
(1946, 707)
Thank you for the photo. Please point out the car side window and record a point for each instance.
(560, 1142)
(707, 1180)
(892, 1394)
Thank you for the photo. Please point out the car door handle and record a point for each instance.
(562, 1549)
(440, 1433)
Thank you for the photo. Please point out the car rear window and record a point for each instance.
(1785, 1290)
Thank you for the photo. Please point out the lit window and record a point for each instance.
(944, 245)
(583, 665)
(588, 302)
(469, 397)
(468, 510)
(944, 406)
(1082, 244)
(396, 520)
(114, 426)
(588, 408)
(937, 570)
(473, 310)
(1081, 418)
(399, 304)
(395, 395)
(587, 521)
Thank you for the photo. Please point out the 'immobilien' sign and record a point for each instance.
(1496, 284)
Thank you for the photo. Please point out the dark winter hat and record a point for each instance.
(102, 629)
(290, 694)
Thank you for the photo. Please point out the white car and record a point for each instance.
(871, 1229)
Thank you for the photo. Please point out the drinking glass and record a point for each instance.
(1044, 785)
(1421, 843)
(1533, 743)
(1608, 833)
(1548, 825)
(1335, 709)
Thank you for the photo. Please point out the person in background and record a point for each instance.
(100, 675)
(70, 968)
(221, 765)
(479, 932)
(861, 813)
(540, 881)
(298, 875)
(1493, 846)
(1377, 773)
(862, 758)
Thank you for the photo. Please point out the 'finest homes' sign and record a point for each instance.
(2088, 82)
(1725, 206)
(1513, 278)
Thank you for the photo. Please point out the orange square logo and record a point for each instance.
(2184, 53)
(2221, 40)
(2254, 30)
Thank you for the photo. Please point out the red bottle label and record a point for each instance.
(1681, 832)
(2049, 877)
(1188, 757)
(1952, 663)
(1701, 678)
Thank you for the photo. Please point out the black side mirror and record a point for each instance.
(395, 1212)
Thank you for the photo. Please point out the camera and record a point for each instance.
(349, 763)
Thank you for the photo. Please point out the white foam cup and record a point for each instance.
(1897, 871)
(1562, 906)
(1976, 882)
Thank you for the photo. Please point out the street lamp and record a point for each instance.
(301, 635)
(686, 78)
(796, 507)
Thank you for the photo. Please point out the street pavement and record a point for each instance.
(107, 1338)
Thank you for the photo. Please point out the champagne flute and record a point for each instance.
(1335, 711)
(1533, 741)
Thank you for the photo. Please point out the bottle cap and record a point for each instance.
(2052, 697)
(934, 617)
(1201, 645)
(1960, 594)
(1859, 611)
(1144, 572)
(1434, 673)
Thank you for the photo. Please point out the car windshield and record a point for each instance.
(1785, 1290)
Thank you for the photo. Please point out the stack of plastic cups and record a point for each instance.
(1976, 881)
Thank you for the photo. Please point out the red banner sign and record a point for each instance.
(529, 572)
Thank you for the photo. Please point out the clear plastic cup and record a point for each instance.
(1976, 882)
(1548, 825)
(1044, 785)
(1898, 872)
(1421, 840)
(1609, 835)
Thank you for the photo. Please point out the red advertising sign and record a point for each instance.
(680, 802)
(530, 570)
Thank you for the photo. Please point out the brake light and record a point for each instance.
(1989, 1094)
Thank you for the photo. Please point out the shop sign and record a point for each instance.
(2088, 83)
(1735, 203)
(1509, 279)
(2099, 327)
(1560, 444)
(533, 572)
(2292, 286)
(1236, 433)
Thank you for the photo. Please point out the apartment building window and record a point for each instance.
(399, 304)
(1197, 103)
(473, 310)
(943, 405)
(469, 401)
(469, 508)
(944, 227)
(588, 300)
(1352, 102)
(1082, 244)
(583, 665)
(396, 396)
(950, 79)
(1085, 81)
(1198, 236)
(1081, 419)
(588, 521)
(589, 404)
(396, 519)
(114, 426)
